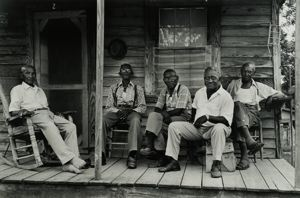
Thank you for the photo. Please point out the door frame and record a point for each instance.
(78, 17)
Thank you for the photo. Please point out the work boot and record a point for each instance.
(216, 169)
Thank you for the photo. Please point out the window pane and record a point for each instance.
(182, 18)
(167, 18)
(198, 36)
(182, 37)
(198, 17)
(166, 37)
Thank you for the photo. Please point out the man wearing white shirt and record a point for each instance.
(212, 112)
(27, 99)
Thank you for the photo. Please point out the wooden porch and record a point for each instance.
(271, 177)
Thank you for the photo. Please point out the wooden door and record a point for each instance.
(60, 49)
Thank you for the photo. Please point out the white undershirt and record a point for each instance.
(246, 96)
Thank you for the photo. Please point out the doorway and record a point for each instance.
(60, 58)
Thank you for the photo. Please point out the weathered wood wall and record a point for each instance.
(125, 22)
(13, 54)
(244, 37)
(237, 32)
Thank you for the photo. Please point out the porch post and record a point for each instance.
(297, 96)
(99, 88)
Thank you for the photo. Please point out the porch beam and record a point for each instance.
(99, 88)
(297, 96)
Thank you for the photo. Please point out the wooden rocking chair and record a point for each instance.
(23, 136)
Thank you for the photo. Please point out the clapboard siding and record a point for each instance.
(244, 37)
(13, 54)
(125, 23)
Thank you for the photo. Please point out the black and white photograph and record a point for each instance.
(149, 98)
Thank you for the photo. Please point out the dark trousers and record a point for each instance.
(244, 115)
(111, 119)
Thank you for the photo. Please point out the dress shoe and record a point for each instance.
(172, 166)
(149, 152)
(253, 148)
(131, 162)
(216, 169)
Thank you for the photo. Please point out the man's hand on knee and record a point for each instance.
(166, 117)
(200, 121)
(25, 112)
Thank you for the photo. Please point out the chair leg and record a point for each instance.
(8, 145)
(261, 139)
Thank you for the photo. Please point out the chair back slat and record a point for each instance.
(4, 102)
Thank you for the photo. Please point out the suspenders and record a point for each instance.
(165, 106)
(134, 99)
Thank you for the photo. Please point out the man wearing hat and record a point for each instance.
(125, 103)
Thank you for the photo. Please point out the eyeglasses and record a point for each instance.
(170, 78)
(125, 70)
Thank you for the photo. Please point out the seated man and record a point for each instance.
(212, 109)
(247, 94)
(173, 104)
(125, 103)
(27, 99)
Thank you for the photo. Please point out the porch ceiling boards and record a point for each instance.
(269, 176)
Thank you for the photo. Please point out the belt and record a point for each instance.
(125, 106)
(40, 109)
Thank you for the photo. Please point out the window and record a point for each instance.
(182, 27)
(182, 46)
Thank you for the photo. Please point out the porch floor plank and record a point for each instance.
(268, 175)
(130, 176)
(286, 169)
(89, 174)
(209, 182)
(46, 174)
(253, 179)
(112, 172)
(9, 172)
(233, 180)
(18, 177)
(62, 177)
(173, 178)
(150, 178)
(192, 177)
(4, 167)
(277, 178)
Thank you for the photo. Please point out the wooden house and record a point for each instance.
(59, 39)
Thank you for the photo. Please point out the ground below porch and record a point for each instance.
(268, 177)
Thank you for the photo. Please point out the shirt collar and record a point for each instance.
(121, 84)
(26, 86)
(253, 83)
(175, 89)
(220, 91)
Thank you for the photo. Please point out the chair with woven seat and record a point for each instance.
(117, 139)
(23, 136)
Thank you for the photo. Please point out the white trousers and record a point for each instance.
(51, 125)
(188, 131)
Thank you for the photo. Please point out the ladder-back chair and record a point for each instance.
(23, 136)
(22, 139)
